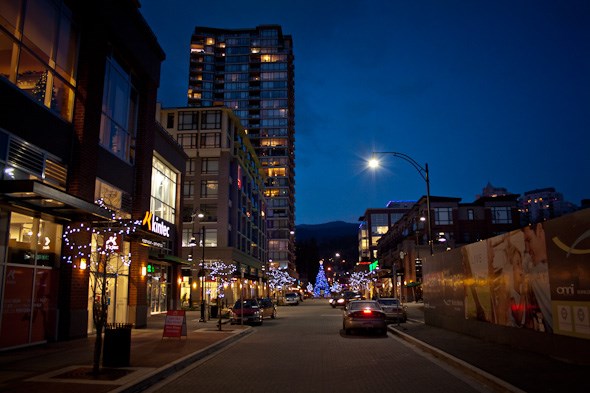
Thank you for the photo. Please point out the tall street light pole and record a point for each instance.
(423, 171)
(193, 241)
(203, 304)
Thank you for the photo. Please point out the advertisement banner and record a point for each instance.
(537, 277)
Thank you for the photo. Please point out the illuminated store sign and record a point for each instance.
(155, 224)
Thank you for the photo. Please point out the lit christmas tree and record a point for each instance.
(321, 284)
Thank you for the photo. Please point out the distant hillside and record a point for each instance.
(323, 241)
(326, 231)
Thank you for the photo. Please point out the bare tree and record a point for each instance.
(101, 243)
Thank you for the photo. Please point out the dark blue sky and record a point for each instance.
(482, 91)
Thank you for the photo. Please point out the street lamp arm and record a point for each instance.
(421, 170)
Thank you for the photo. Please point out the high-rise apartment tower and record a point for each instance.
(251, 71)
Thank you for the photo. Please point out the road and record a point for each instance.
(305, 350)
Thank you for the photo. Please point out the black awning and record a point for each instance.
(35, 196)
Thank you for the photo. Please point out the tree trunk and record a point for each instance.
(97, 351)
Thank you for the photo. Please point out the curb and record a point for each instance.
(173, 367)
(494, 382)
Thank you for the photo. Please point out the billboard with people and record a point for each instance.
(534, 278)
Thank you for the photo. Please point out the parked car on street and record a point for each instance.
(394, 311)
(364, 315)
(246, 311)
(292, 298)
(268, 308)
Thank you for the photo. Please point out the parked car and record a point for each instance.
(345, 297)
(364, 315)
(394, 311)
(292, 298)
(268, 308)
(246, 311)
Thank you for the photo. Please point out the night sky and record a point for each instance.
(483, 91)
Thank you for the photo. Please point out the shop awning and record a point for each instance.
(35, 196)
(167, 258)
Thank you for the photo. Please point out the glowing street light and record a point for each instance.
(422, 171)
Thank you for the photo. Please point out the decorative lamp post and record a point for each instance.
(193, 244)
(423, 171)
(203, 304)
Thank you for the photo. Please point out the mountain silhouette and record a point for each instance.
(324, 241)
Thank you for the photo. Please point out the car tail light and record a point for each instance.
(367, 311)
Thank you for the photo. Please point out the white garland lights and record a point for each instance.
(118, 227)
(223, 271)
(278, 278)
(358, 280)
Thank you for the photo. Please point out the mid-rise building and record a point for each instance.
(375, 223)
(402, 249)
(251, 71)
(543, 204)
(78, 86)
(224, 216)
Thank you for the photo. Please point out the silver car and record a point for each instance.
(364, 315)
(394, 311)
(292, 299)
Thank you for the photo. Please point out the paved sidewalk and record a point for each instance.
(504, 368)
(63, 367)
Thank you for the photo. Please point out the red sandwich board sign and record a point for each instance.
(175, 324)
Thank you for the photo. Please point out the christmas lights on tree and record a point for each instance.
(321, 283)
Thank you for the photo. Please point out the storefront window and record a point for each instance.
(33, 241)
(164, 184)
(116, 280)
(29, 295)
(158, 288)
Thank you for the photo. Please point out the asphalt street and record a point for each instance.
(305, 350)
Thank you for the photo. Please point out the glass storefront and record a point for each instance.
(29, 279)
(158, 287)
(115, 279)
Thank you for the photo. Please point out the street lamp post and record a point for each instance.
(203, 304)
(423, 171)
(193, 243)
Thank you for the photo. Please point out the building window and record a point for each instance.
(210, 120)
(188, 189)
(110, 195)
(210, 212)
(501, 215)
(210, 237)
(187, 120)
(443, 216)
(170, 120)
(209, 188)
(210, 165)
(187, 141)
(470, 215)
(187, 235)
(40, 52)
(119, 112)
(163, 198)
(210, 140)
(191, 165)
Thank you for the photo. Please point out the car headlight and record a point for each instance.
(340, 301)
(256, 313)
